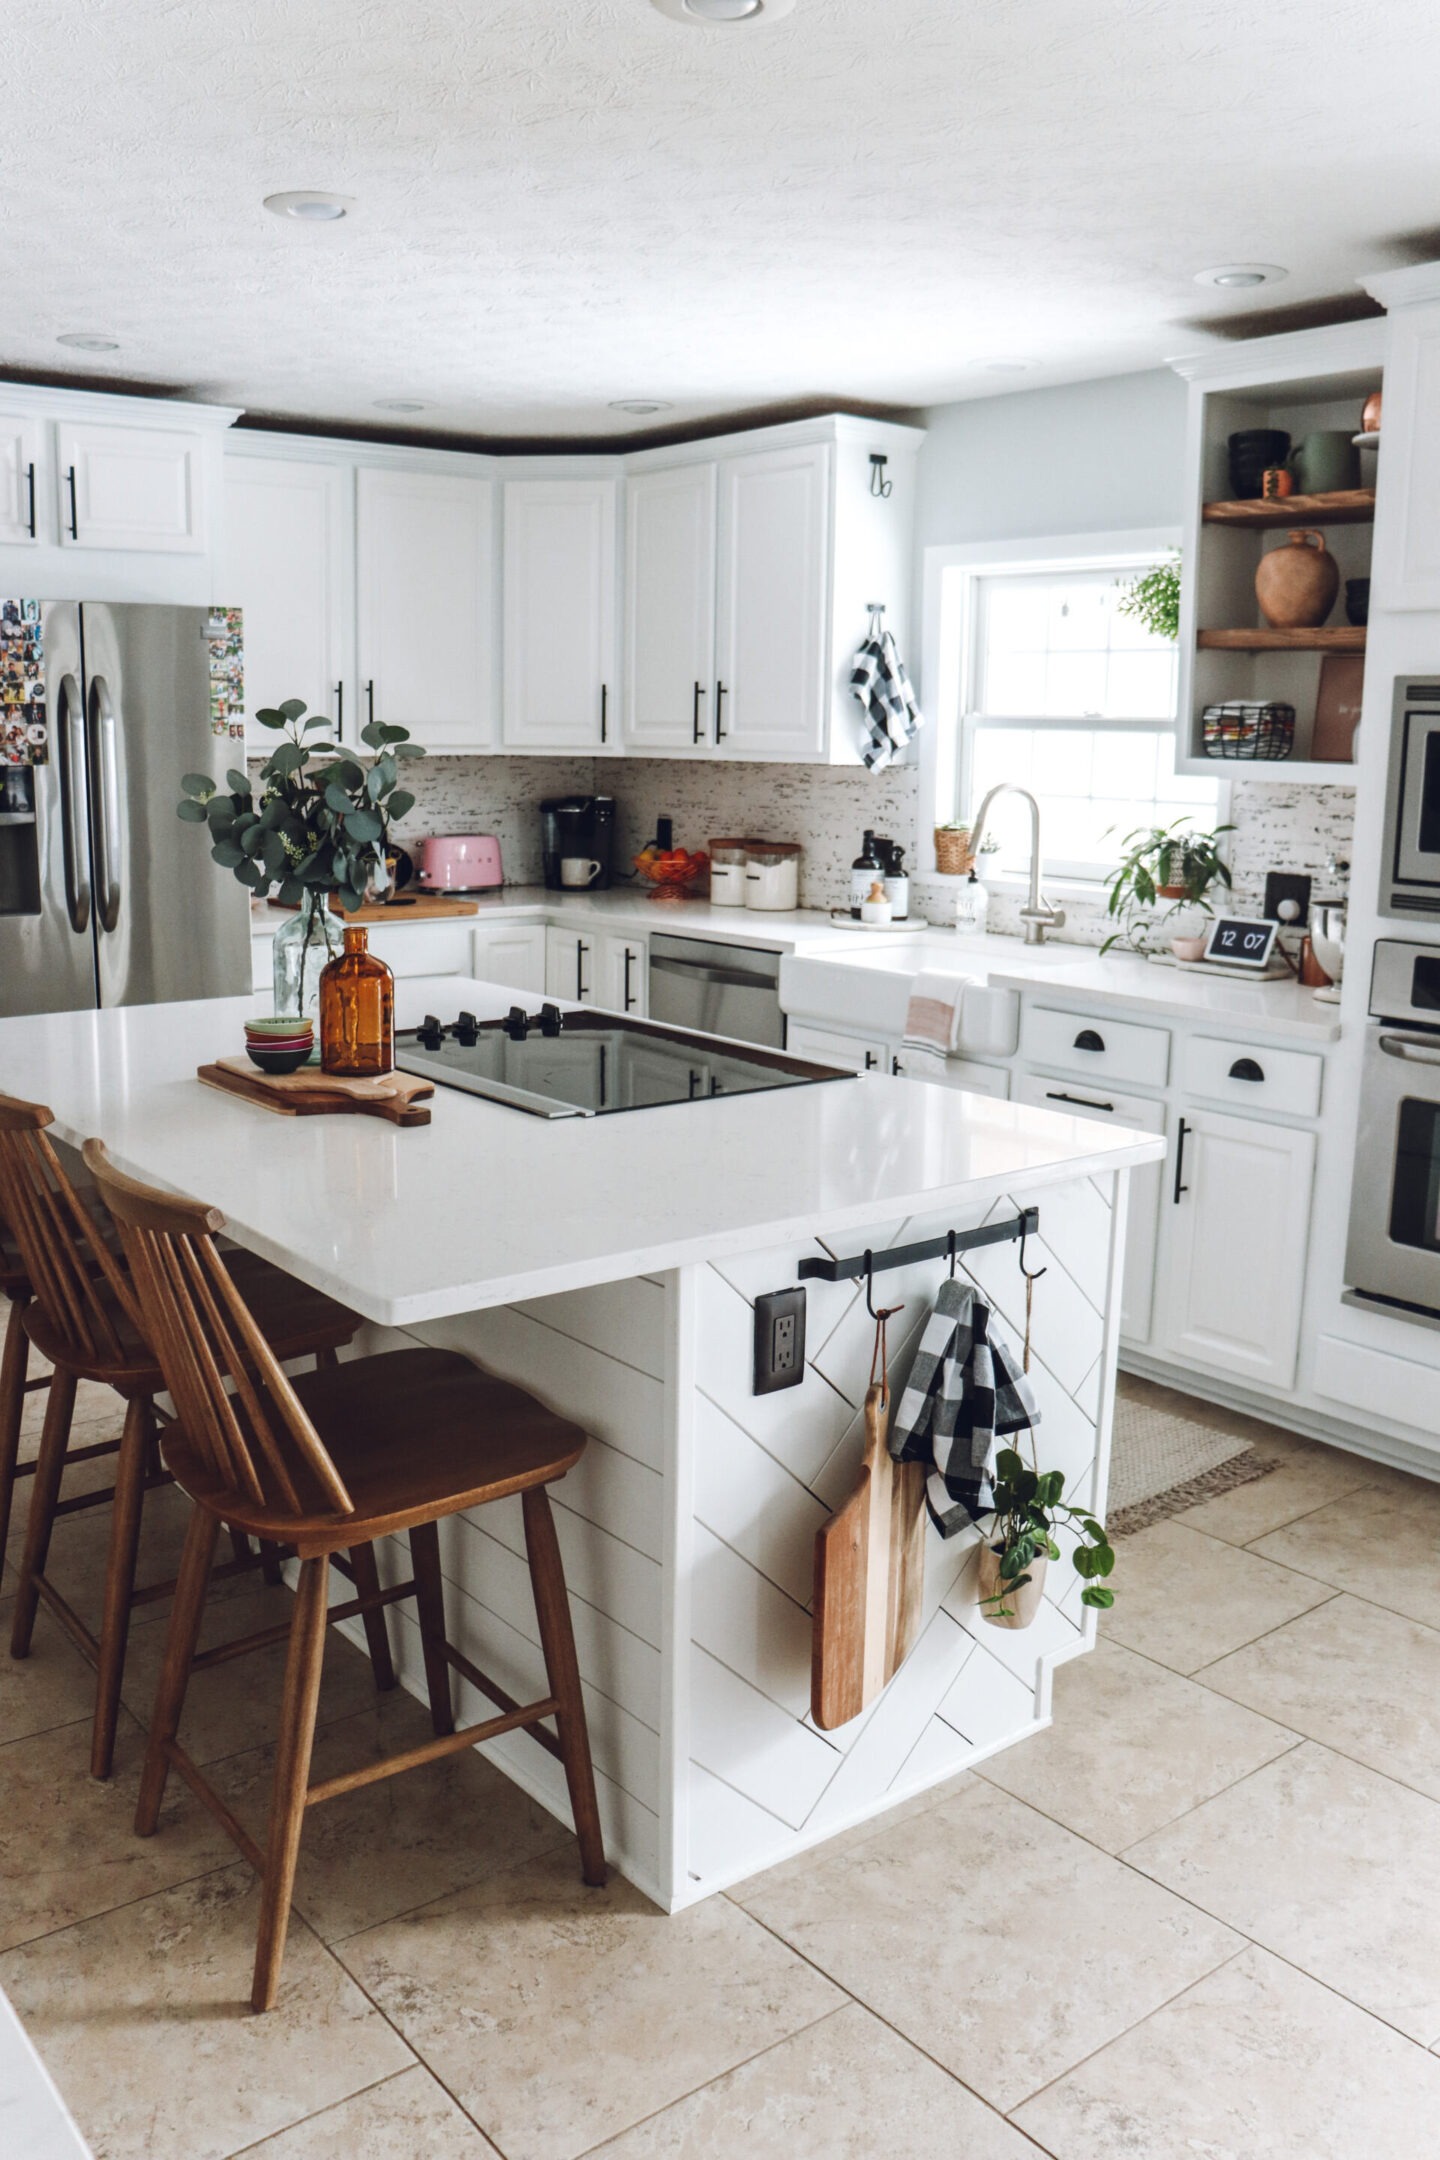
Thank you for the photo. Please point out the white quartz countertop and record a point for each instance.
(485, 1206)
(629, 907)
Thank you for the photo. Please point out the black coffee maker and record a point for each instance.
(577, 839)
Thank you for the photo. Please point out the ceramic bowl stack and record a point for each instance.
(281, 1044)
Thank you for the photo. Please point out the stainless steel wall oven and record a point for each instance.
(1393, 1255)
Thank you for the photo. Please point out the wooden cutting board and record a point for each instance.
(426, 907)
(869, 1579)
(398, 1098)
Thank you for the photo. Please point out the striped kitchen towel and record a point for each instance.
(932, 1017)
(965, 1394)
(879, 681)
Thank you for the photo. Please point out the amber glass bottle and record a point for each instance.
(357, 1013)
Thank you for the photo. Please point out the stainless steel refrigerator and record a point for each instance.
(106, 897)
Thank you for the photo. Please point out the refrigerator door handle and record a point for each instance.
(106, 765)
(74, 805)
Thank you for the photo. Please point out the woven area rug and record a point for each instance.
(1160, 1463)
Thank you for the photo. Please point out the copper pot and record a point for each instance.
(1296, 584)
(1370, 414)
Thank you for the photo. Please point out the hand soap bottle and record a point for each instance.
(357, 1013)
(863, 873)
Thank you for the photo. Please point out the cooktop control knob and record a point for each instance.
(430, 1032)
(467, 1030)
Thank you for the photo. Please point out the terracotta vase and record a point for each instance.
(1007, 1608)
(1296, 584)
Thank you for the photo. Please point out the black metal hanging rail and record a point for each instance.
(1022, 1226)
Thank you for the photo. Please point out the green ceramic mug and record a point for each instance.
(1325, 461)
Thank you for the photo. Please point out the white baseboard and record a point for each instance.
(1287, 1416)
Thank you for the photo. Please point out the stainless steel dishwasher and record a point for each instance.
(719, 989)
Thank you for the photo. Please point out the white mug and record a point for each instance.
(575, 870)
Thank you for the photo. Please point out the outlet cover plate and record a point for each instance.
(779, 1339)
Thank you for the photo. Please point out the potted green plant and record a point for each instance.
(321, 826)
(1163, 862)
(1153, 599)
(1019, 1545)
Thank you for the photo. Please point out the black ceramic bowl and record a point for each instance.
(276, 1062)
(1252, 451)
(1357, 601)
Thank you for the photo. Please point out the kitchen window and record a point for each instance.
(1056, 690)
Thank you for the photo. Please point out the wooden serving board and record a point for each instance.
(307, 1094)
(425, 907)
(869, 1580)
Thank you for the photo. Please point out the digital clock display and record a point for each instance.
(1242, 943)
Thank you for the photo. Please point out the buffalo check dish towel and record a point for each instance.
(879, 681)
(965, 1395)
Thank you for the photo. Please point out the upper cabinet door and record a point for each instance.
(561, 691)
(286, 562)
(20, 505)
(425, 589)
(670, 609)
(137, 488)
(772, 692)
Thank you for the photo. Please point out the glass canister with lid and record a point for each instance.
(772, 875)
(727, 873)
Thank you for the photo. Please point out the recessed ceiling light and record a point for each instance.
(708, 13)
(1235, 276)
(311, 206)
(640, 405)
(88, 341)
(401, 404)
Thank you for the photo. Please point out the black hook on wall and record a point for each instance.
(879, 485)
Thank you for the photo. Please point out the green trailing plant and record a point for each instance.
(1163, 862)
(323, 819)
(1153, 599)
(1029, 1504)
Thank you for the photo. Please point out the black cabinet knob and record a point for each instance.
(1087, 1039)
(1246, 1069)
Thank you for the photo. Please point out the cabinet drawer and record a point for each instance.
(1097, 1048)
(1253, 1075)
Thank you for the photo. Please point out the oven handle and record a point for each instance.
(1414, 1050)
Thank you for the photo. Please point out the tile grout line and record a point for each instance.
(319, 2114)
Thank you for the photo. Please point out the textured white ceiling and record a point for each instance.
(563, 202)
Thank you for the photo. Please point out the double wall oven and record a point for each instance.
(1410, 871)
(1393, 1255)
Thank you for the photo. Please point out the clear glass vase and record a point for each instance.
(304, 944)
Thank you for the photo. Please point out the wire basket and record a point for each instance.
(953, 856)
(1240, 729)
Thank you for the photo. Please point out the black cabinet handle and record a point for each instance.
(1087, 1039)
(581, 948)
(370, 701)
(1180, 1161)
(695, 732)
(339, 706)
(896, 1067)
(720, 695)
(1086, 1102)
(604, 711)
(629, 963)
(74, 514)
(30, 482)
(871, 1061)
(1246, 1069)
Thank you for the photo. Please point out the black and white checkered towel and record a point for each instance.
(966, 1393)
(879, 681)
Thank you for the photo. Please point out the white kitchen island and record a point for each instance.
(608, 1264)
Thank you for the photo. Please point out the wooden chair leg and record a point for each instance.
(292, 1775)
(557, 1639)
(120, 1580)
(180, 1639)
(270, 1562)
(377, 1640)
(14, 1365)
(430, 1610)
(240, 1548)
(49, 1469)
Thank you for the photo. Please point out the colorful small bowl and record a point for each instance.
(286, 1027)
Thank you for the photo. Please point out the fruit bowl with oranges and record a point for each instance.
(672, 873)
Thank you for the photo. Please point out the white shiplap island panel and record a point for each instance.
(610, 1266)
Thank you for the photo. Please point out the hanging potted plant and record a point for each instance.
(1019, 1545)
(1170, 863)
(321, 828)
(1153, 599)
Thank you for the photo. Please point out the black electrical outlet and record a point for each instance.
(779, 1340)
(1283, 885)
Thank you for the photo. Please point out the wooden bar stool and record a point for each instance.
(324, 1463)
(82, 1315)
(15, 1382)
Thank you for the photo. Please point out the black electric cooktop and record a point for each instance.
(588, 1064)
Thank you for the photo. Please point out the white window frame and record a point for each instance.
(952, 575)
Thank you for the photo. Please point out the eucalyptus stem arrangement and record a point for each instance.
(323, 819)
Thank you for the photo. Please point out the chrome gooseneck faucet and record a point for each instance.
(1037, 915)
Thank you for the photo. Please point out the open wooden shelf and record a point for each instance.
(1347, 638)
(1343, 506)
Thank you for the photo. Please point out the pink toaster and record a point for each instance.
(460, 862)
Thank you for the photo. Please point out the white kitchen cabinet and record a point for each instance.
(561, 690)
(512, 953)
(772, 679)
(621, 967)
(971, 1074)
(424, 587)
(286, 562)
(21, 504)
(137, 489)
(1237, 1228)
(1142, 1230)
(670, 541)
(570, 964)
(857, 1053)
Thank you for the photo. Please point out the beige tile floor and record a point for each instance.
(1198, 1916)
